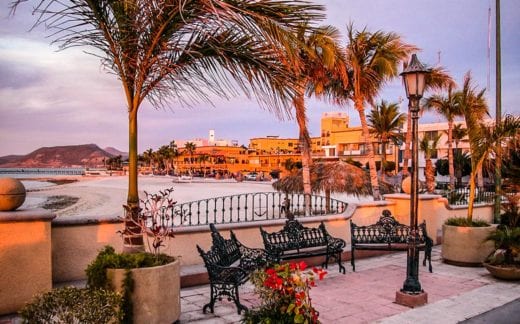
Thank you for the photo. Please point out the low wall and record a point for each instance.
(25, 257)
(75, 243)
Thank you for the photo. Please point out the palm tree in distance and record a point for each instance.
(385, 121)
(318, 56)
(449, 109)
(458, 134)
(190, 149)
(438, 79)
(372, 59)
(182, 51)
(429, 147)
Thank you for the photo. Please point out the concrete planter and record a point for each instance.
(503, 272)
(465, 246)
(156, 295)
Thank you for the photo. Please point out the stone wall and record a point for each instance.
(25, 257)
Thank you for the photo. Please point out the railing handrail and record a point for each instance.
(249, 207)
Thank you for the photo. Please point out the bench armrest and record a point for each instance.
(334, 243)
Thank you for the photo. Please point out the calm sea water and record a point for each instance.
(29, 176)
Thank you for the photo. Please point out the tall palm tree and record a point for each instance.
(181, 51)
(485, 143)
(372, 59)
(385, 121)
(429, 147)
(474, 108)
(318, 55)
(449, 109)
(438, 79)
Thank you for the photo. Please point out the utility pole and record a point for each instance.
(498, 113)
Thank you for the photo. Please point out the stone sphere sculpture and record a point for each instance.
(406, 185)
(12, 194)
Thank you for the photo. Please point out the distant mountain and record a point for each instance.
(116, 152)
(89, 155)
(9, 158)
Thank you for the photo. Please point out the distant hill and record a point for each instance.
(116, 152)
(89, 155)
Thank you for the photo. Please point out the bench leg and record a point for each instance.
(341, 267)
(211, 303)
(236, 299)
(428, 256)
(352, 259)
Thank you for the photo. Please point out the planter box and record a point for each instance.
(156, 295)
(503, 272)
(465, 246)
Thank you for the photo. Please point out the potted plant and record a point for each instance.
(504, 262)
(464, 240)
(148, 281)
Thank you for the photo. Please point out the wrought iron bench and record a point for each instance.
(297, 241)
(388, 235)
(229, 264)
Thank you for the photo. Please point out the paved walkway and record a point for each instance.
(367, 296)
(455, 294)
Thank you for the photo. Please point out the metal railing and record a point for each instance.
(460, 196)
(249, 207)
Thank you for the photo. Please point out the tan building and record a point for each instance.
(275, 145)
(343, 142)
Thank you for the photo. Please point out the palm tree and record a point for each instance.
(183, 51)
(458, 134)
(372, 59)
(318, 55)
(190, 148)
(438, 79)
(485, 143)
(474, 108)
(448, 108)
(385, 121)
(148, 156)
(429, 147)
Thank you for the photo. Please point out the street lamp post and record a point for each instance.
(414, 76)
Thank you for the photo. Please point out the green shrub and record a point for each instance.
(109, 259)
(463, 222)
(74, 305)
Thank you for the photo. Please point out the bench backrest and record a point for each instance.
(229, 248)
(294, 236)
(213, 259)
(386, 230)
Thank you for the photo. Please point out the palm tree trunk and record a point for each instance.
(451, 166)
(132, 235)
(407, 152)
(429, 174)
(305, 142)
(369, 149)
(480, 177)
(383, 160)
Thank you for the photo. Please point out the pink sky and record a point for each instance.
(51, 98)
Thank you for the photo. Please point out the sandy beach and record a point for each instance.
(102, 197)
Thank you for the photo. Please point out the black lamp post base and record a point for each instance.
(411, 300)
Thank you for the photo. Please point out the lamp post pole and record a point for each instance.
(414, 76)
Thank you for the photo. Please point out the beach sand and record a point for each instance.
(103, 197)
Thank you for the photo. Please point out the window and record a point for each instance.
(290, 144)
(431, 135)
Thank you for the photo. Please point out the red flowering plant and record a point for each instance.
(284, 291)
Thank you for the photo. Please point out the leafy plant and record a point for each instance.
(507, 243)
(464, 222)
(74, 305)
(511, 215)
(109, 259)
(284, 291)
